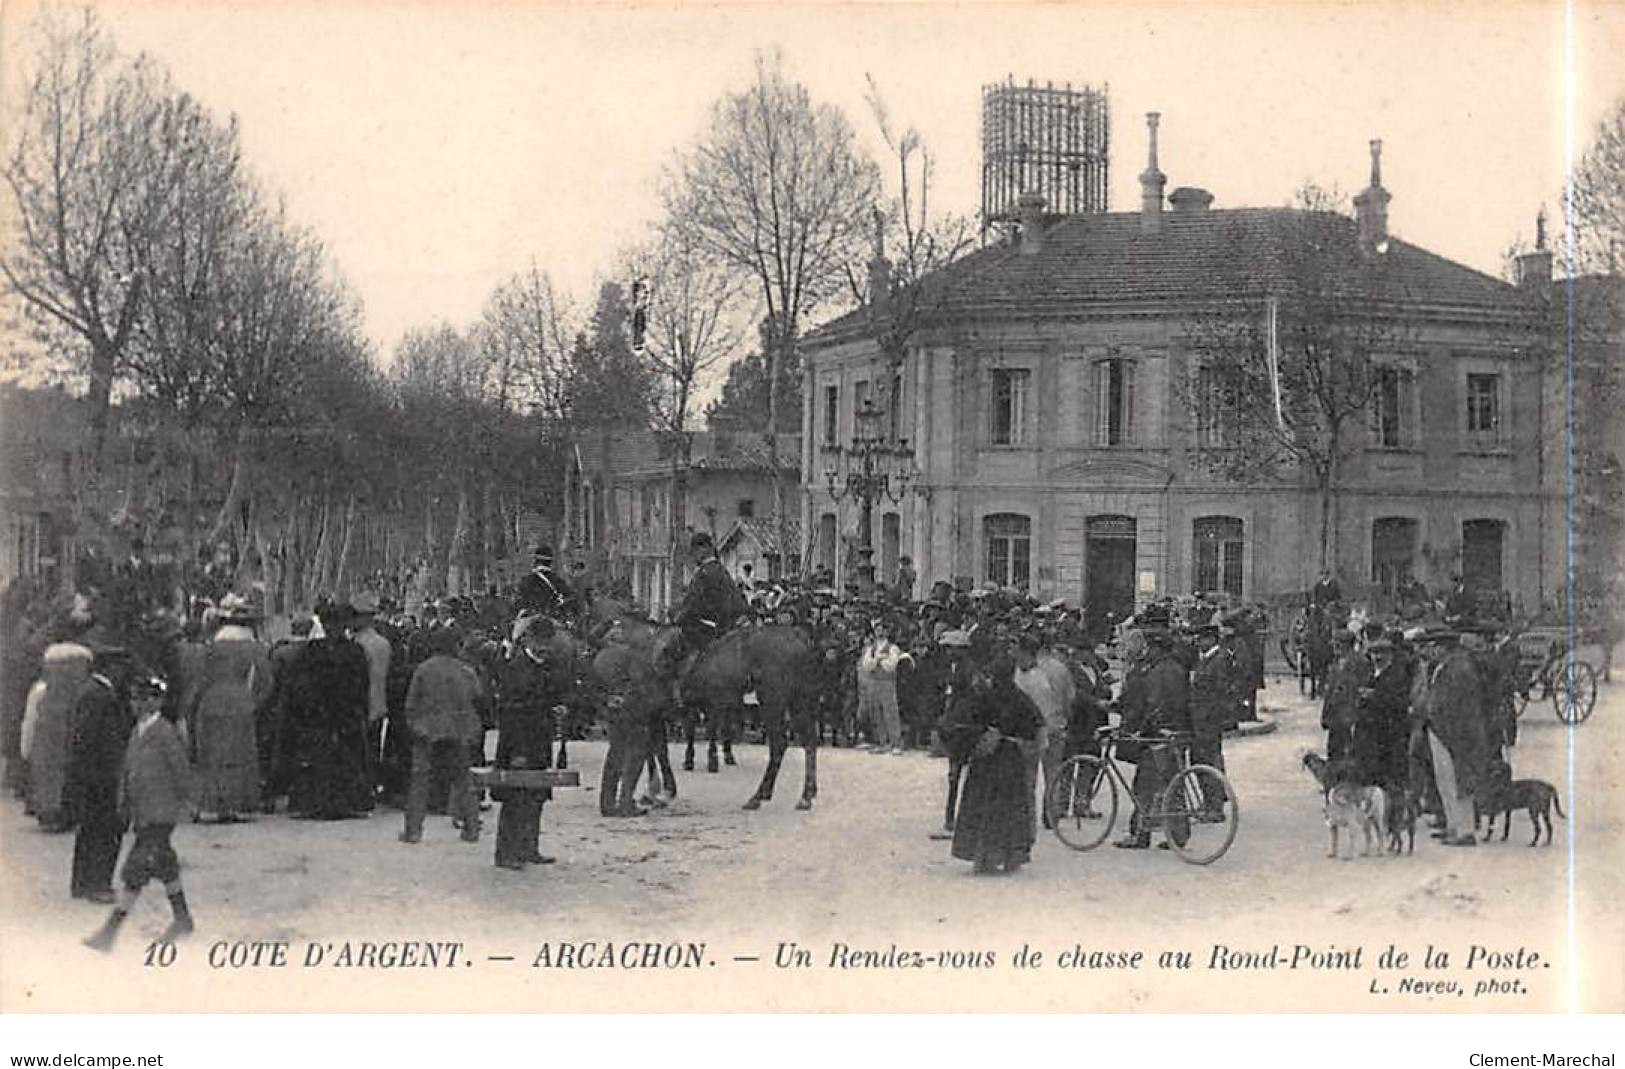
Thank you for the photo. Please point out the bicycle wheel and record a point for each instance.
(1200, 814)
(1082, 802)
(1574, 691)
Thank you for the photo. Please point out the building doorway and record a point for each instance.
(1108, 572)
(1393, 552)
(1481, 545)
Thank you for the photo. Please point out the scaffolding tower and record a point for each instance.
(1046, 139)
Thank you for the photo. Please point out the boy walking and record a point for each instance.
(157, 789)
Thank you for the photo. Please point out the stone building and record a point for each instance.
(38, 443)
(1042, 390)
(621, 487)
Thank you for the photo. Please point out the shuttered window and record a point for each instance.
(1114, 402)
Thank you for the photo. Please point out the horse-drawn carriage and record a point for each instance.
(1551, 669)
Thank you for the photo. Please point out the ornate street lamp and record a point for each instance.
(877, 466)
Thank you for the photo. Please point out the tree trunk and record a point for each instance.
(103, 361)
(234, 495)
(776, 355)
(457, 553)
(316, 571)
(341, 565)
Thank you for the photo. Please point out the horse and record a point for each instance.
(774, 660)
(777, 662)
(630, 670)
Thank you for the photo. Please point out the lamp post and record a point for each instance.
(877, 467)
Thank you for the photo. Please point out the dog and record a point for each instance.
(1350, 807)
(1501, 794)
(1403, 809)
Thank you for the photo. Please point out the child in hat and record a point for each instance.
(157, 795)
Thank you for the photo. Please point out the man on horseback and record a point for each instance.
(712, 602)
(545, 592)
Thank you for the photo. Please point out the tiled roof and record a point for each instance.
(727, 451)
(1104, 260)
(766, 533)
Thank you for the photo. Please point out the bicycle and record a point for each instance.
(1198, 810)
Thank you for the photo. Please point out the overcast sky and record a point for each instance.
(439, 147)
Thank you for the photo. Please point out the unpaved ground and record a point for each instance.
(858, 870)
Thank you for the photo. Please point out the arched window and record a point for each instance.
(1217, 546)
(1007, 541)
(1393, 551)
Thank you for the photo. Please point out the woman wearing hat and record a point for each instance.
(994, 827)
(234, 678)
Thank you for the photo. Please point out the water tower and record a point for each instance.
(1046, 139)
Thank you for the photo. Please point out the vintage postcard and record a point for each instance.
(1077, 507)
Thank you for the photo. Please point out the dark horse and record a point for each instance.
(776, 661)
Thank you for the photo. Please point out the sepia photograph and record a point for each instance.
(1076, 508)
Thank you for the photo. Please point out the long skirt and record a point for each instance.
(994, 826)
(228, 769)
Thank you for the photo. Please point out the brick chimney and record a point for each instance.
(1030, 212)
(879, 266)
(1534, 269)
(1190, 199)
(1152, 182)
(1371, 209)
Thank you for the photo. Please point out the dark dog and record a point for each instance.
(1402, 813)
(1535, 797)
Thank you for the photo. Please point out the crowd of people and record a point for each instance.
(113, 719)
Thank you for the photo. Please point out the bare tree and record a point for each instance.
(1596, 207)
(687, 311)
(777, 190)
(902, 289)
(1284, 375)
(89, 173)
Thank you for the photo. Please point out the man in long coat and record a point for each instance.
(442, 710)
(101, 730)
(1340, 705)
(530, 690)
(1210, 691)
(1457, 736)
(1163, 707)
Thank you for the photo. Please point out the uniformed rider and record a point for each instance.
(712, 602)
(544, 591)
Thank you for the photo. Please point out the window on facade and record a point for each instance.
(860, 401)
(747, 508)
(832, 415)
(1007, 538)
(1114, 402)
(894, 408)
(891, 539)
(1217, 548)
(1484, 405)
(824, 551)
(1390, 404)
(1481, 554)
(1212, 414)
(1010, 405)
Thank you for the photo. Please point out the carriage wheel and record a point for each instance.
(1200, 814)
(1520, 701)
(1574, 691)
(1082, 803)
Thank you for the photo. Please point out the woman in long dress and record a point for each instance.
(65, 672)
(234, 676)
(994, 826)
